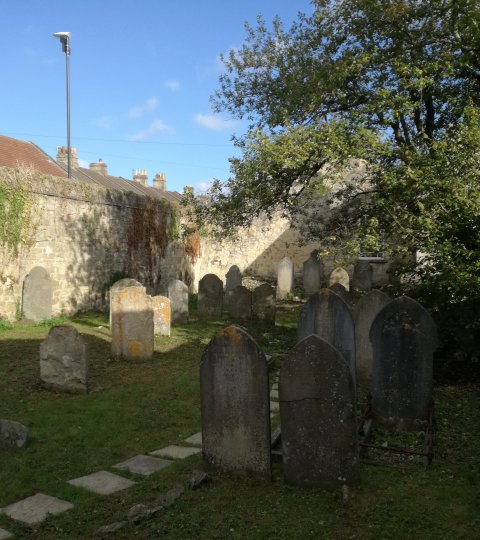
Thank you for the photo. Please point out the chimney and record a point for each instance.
(99, 167)
(62, 156)
(160, 182)
(140, 176)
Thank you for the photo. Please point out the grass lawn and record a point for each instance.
(137, 408)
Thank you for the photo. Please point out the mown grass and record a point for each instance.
(136, 408)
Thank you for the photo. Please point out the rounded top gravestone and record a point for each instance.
(210, 296)
(285, 279)
(37, 295)
(233, 278)
(339, 275)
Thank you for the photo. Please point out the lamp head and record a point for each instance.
(64, 37)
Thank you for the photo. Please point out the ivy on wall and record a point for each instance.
(15, 216)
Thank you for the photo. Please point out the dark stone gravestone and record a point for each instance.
(318, 416)
(312, 275)
(235, 404)
(403, 337)
(362, 276)
(345, 295)
(233, 278)
(263, 303)
(339, 275)
(37, 295)
(364, 313)
(210, 296)
(178, 294)
(13, 435)
(240, 303)
(328, 316)
(285, 278)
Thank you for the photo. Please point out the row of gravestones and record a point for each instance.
(317, 391)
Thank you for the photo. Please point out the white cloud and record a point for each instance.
(214, 122)
(203, 186)
(156, 127)
(172, 85)
(139, 110)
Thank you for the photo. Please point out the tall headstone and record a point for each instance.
(118, 286)
(162, 315)
(263, 303)
(132, 324)
(240, 303)
(339, 275)
(235, 404)
(404, 338)
(364, 313)
(328, 316)
(210, 296)
(233, 278)
(318, 416)
(285, 278)
(64, 361)
(312, 275)
(362, 276)
(37, 295)
(178, 294)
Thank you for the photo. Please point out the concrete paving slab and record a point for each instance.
(4, 535)
(195, 439)
(274, 406)
(176, 452)
(102, 482)
(141, 464)
(36, 508)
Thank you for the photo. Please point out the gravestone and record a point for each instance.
(120, 285)
(37, 295)
(235, 404)
(312, 275)
(210, 296)
(64, 361)
(263, 303)
(329, 317)
(318, 416)
(345, 295)
(364, 313)
(132, 324)
(339, 275)
(178, 294)
(403, 337)
(13, 435)
(233, 278)
(285, 279)
(240, 303)
(162, 315)
(362, 276)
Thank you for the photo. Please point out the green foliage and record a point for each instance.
(173, 231)
(15, 204)
(5, 325)
(54, 321)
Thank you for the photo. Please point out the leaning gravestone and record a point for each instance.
(162, 315)
(37, 295)
(132, 324)
(210, 296)
(235, 404)
(285, 279)
(312, 275)
(240, 303)
(328, 316)
(339, 275)
(317, 413)
(364, 313)
(362, 276)
(403, 337)
(178, 294)
(64, 361)
(12, 435)
(263, 303)
(118, 286)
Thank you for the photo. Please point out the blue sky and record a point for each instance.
(142, 73)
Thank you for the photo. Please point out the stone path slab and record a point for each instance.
(102, 482)
(36, 508)
(141, 464)
(176, 452)
(195, 439)
(4, 535)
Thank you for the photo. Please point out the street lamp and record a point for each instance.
(65, 40)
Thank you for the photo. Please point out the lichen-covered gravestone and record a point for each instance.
(312, 275)
(285, 278)
(328, 316)
(339, 275)
(317, 412)
(12, 435)
(37, 295)
(235, 404)
(64, 360)
(404, 338)
(362, 276)
(118, 286)
(162, 315)
(240, 303)
(210, 296)
(178, 294)
(263, 303)
(132, 324)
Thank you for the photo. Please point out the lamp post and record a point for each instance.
(65, 40)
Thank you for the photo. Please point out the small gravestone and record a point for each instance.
(235, 405)
(317, 414)
(178, 294)
(240, 303)
(285, 278)
(12, 435)
(312, 275)
(132, 324)
(403, 337)
(263, 303)
(339, 275)
(63, 360)
(364, 313)
(362, 276)
(120, 285)
(161, 315)
(210, 296)
(340, 290)
(328, 316)
(37, 295)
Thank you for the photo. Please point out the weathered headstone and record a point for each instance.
(312, 275)
(235, 404)
(64, 361)
(178, 294)
(403, 337)
(12, 434)
(132, 324)
(240, 303)
(317, 412)
(233, 278)
(37, 295)
(210, 296)
(339, 275)
(263, 303)
(328, 316)
(162, 315)
(120, 285)
(285, 278)
(364, 313)
(362, 276)
(345, 295)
